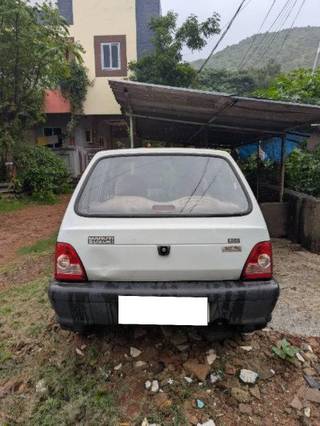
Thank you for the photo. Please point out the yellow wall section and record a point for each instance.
(103, 17)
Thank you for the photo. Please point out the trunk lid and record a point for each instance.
(201, 249)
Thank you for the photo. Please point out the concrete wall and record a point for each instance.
(304, 220)
(103, 18)
(276, 217)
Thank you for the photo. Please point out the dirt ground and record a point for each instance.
(27, 226)
(53, 377)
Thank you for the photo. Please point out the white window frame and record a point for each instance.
(110, 44)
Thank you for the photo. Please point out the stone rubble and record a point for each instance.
(248, 376)
(211, 356)
(200, 371)
(135, 353)
(155, 386)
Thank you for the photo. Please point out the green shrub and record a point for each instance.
(303, 171)
(285, 350)
(40, 173)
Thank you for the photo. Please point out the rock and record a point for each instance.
(311, 356)
(214, 378)
(41, 387)
(188, 380)
(312, 395)
(211, 356)
(245, 409)
(148, 384)
(306, 348)
(300, 357)
(135, 353)
(208, 423)
(230, 369)
(313, 383)
(200, 371)
(307, 412)
(162, 401)
(155, 386)
(240, 395)
(255, 391)
(79, 352)
(118, 367)
(200, 404)
(248, 376)
(140, 364)
(296, 404)
(192, 419)
(309, 372)
(246, 348)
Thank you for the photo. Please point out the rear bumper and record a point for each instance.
(245, 304)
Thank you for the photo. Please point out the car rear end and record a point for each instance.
(163, 236)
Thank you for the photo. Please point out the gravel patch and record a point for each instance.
(298, 273)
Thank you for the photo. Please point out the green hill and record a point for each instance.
(295, 48)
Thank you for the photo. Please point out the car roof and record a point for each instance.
(184, 151)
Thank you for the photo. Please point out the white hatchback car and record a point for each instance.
(163, 236)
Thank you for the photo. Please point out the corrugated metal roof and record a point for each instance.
(191, 117)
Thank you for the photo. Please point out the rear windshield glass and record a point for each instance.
(162, 185)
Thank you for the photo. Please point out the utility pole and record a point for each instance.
(315, 65)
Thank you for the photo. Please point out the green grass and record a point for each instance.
(8, 205)
(11, 205)
(40, 247)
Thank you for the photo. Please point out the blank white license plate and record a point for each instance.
(163, 310)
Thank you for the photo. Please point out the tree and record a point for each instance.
(297, 86)
(165, 64)
(242, 83)
(34, 42)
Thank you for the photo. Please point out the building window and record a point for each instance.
(52, 131)
(110, 56)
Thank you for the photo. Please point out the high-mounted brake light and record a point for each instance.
(68, 266)
(259, 265)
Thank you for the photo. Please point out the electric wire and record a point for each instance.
(243, 61)
(267, 34)
(292, 25)
(277, 33)
(222, 36)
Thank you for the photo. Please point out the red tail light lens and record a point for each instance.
(68, 266)
(259, 265)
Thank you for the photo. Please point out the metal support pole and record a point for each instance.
(258, 170)
(282, 167)
(316, 60)
(131, 131)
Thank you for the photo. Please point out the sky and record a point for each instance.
(249, 20)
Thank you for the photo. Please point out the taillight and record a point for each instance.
(68, 266)
(259, 265)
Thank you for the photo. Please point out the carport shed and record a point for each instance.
(186, 117)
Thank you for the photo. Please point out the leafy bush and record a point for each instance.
(303, 171)
(285, 350)
(40, 173)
